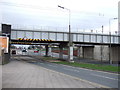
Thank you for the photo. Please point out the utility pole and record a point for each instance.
(110, 61)
(101, 44)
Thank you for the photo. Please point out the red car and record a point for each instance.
(13, 51)
(36, 51)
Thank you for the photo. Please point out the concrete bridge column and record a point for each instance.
(70, 53)
(101, 53)
(46, 51)
(88, 52)
(78, 52)
(61, 46)
(81, 52)
(50, 50)
(61, 52)
(115, 57)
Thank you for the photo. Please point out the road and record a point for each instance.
(99, 77)
(21, 74)
(103, 78)
(42, 53)
(76, 59)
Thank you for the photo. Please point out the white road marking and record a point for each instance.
(104, 76)
(52, 65)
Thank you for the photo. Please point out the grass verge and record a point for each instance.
(101, 67)
(92, 66)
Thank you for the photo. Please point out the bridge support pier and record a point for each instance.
(46, 51)
(80, 52)
(88, 52)
(50, 50)
(70, 53)
(61, 46)
(61, 51)
(115, 57)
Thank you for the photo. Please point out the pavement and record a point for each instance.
(0, 72)
(20, 74)
(0, 77)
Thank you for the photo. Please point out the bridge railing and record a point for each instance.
(63, 36)
(96, 38)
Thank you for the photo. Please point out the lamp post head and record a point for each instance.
(115, 18)
(61, 7)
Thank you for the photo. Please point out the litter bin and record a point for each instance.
(5, 58)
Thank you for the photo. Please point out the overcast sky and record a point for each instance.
(85, 14)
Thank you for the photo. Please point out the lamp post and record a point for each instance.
(102, 29)
(101, 44)
(110, 61)
(70, 59)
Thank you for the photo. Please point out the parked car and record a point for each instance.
(13, 51)
(24, 50)
(36, 51)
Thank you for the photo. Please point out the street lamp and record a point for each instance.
(70, 37)
(101, 44)
(102, 29)
(110, 61)
(110, 24)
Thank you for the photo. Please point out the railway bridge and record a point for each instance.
(88, 44)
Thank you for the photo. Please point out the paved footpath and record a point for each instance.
(19, 74)
(0, 77)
